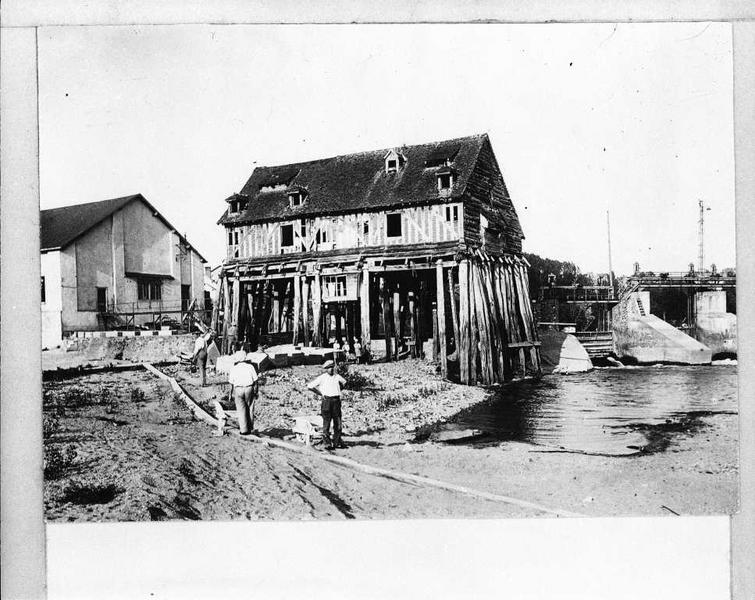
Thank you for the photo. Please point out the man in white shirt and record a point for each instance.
(243, 380)
(328, 387)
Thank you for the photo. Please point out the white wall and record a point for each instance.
(51, 308)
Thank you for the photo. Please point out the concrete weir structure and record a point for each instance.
(714, 327)
(645, 338)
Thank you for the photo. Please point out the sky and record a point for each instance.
(633, 119)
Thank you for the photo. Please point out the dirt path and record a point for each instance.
(140, 456)
(148, 461)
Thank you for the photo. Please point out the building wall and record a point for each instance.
(94, 265)
(146, 240)
(419, 224)
(72, 318)
(51, 307)
(487, 196)
(132, 240)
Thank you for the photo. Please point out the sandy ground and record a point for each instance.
(140, 456)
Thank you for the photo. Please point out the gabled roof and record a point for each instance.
(357, 182)
(59, 227)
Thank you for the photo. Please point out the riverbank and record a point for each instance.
(139, 456)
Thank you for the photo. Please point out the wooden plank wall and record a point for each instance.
(497, 334)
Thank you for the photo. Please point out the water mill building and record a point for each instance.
(409, 250)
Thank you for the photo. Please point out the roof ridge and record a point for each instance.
(80, 204)
(374, 151)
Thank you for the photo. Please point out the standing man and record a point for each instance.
(243, 380)
(328, 387)
(200, 354)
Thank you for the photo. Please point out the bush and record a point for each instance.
(355, 380)
(50, 426)
(57, 461)
(138, 395)
(79, 493)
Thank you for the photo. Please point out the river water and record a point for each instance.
(606, 410)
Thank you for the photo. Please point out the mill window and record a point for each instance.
(452, 214)
(149, 289)
(287, 236)
(393, 224)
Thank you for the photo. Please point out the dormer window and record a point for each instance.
(445, 181)
(297, 197)
(237, 203)
(394, 161)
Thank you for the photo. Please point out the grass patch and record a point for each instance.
(58, 461)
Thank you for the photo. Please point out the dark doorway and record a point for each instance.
(185, 297)
(101, 299)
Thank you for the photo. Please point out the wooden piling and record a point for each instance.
(286, 312)
(364, 307)
(463, 341)
(441, 318)
(412, 324)
(386, 311)
(296, 313)
(317, 311)
(305, 308)
(226, 314)
(275, 317)
(453, 297)
(397, 321)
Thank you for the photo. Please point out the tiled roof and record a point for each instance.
(357, 182)
(58, 227)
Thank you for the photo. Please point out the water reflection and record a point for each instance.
(597, 412)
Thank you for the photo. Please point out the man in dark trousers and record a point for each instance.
(328, 387)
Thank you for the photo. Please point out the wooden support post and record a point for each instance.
(251, 332)
(463, 341)
(234, 315)
(297, 310)
(483, 325)
(286, 312)
(454, 310)
(364, 308)
(522, 362)
(441, 318)
(397, 321)
(252, 300)
(422, 306)
(215, 310)
(317, 311)
(386, 309)
(337, 314)
(226, 314)
(412, 324)
(275, 317)
(436, 350)
(305, 308)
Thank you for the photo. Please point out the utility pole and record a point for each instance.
(700, 235)
(610, 266)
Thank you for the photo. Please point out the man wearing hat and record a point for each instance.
(328, 387)
(243, 380)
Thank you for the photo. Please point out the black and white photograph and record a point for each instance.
(375, 303)
(387, 272)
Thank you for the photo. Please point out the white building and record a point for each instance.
(114, 262)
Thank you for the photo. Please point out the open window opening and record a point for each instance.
(393, 225)
(287, 236)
